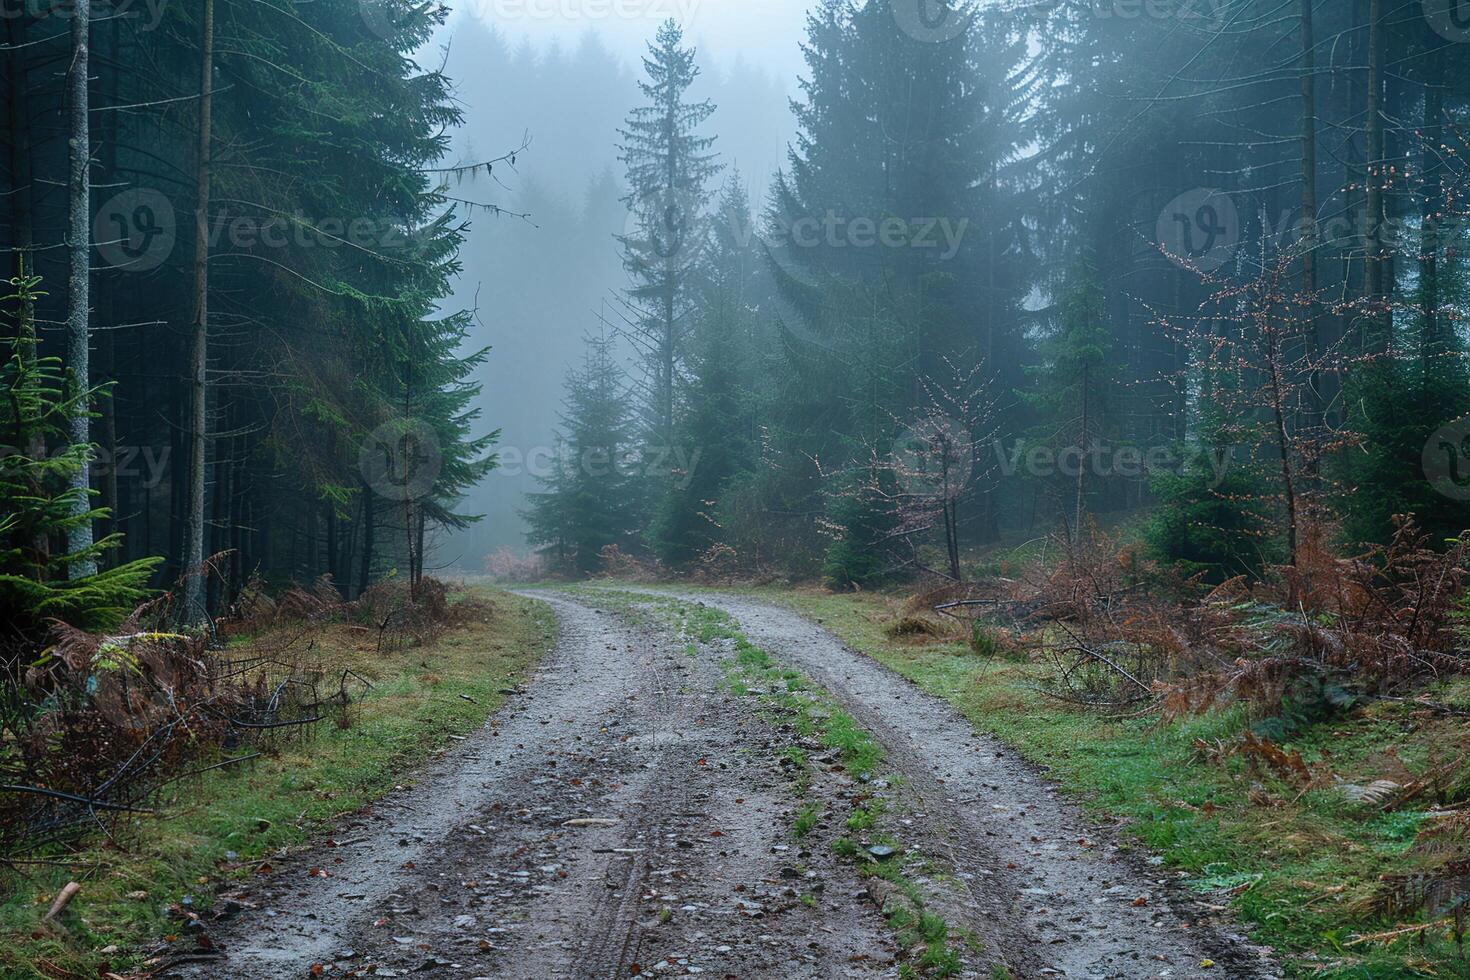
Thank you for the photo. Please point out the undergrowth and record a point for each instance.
(1260, 811)
(214, 829)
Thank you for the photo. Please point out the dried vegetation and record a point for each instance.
(97, 726)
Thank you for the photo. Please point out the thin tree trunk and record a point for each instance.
(38, 549)
(1431, 345)
(364, 578)
(329, 515)
(1310, 240)
(419, 534)
(194, 593)
(1377, 338)
(952, 535)
(79, 238)
(219, 523)
(1283, 440)
(1081, 457)
(107, 343)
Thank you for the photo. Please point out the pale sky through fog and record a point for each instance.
(764, 32)
(530, 67)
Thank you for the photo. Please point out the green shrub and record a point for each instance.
(983, 640)
(1213, 517)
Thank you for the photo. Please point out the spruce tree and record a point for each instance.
(714, 442)
(588, 502)
(43, 503)
(669, 164)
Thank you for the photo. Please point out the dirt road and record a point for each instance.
(622, 816)
(1044, 883)
(626, 815)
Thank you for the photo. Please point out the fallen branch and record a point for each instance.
(57, 794)
(1395, 934)
(63, 899)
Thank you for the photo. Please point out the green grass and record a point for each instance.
(806, 819)
(865, 818)
(413, 709)
(1293, 870)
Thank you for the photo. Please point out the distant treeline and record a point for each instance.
(1028, 268)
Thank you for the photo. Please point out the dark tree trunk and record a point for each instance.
(1310, 240)
(79, 278)
(369, 524)
(194, 591)
(1432, 345)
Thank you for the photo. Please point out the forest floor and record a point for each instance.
(1302, 871)
(685, 789)
(228, 826)
(740, 783)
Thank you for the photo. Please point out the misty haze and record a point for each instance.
(748, 488)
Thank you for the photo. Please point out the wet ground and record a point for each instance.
(627, 815)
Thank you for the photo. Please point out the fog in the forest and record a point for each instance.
(542, 281)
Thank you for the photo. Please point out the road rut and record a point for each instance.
(623, 815)
(1045, 884)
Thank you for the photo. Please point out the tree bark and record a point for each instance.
(1378, 323)
(1283, 438)
(364, 578)
(1431, 343)
(194, 593)
(1310, 240)
(1082, 458)
(79, 240)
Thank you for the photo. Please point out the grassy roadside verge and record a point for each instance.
(816, 726)
(1303, 871)
(210, 829)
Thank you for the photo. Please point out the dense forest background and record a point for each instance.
(1022, 268)
(1194, 268)
(231, 230)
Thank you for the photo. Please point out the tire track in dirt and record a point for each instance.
(1044, 882)
(677, 858)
